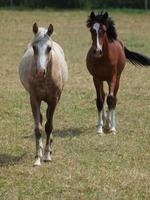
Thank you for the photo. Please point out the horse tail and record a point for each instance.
(136, 58)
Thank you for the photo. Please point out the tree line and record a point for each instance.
(76, 3)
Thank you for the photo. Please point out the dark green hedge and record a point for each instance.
(74, 3)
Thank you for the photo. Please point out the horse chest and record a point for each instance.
(101, 69)
(43, 89)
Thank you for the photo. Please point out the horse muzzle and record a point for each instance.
(40, 73)
(97, 53)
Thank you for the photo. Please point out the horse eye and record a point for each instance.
(91, 30)
(48, 49)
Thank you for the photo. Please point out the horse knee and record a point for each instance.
(111, 102)
(99, 104)
(48, 128)
(37, 132)
(41, 118)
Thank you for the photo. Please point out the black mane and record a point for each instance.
(111, 29)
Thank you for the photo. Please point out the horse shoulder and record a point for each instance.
(58, 47)
(89, 61)
(25, 67)
(121, 43)
(59, 62)
(120, 56)
(121, 49)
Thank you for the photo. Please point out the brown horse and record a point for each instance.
(43, 72)
(105, 61)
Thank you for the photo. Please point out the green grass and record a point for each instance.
(84, 166)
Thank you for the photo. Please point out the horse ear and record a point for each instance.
(105, 16)
(35, 28)
(92, 15)
(50, 30)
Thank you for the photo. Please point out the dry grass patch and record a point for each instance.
(84, 165)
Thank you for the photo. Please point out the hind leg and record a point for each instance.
(48, 130)
(100, 105)
(111, 102)
(110, 118)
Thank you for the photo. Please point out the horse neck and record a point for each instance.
(106, 46)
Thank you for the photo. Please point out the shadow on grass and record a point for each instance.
(69, 132)
(8, 160)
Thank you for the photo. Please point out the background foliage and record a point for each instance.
(75, 3)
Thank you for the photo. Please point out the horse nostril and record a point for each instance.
(100, 52)
(40, 72)
(94, 51)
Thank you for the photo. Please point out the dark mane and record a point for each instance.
(109, 22)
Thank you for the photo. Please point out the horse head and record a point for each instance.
(42, 45)
(98, 29)
(102, 27)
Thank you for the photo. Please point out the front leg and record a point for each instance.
(101, 116)
(100, 105)
(110, 125)
(35, 105)
(111, 102)
(49, 129)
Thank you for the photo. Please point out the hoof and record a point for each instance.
(99, 131)
(113, 131)
(47, 157)
(37, 162)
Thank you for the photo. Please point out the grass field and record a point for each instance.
(84, 166)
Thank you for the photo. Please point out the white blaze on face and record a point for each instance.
(41, 60)
(42, 56)
(96, 27)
